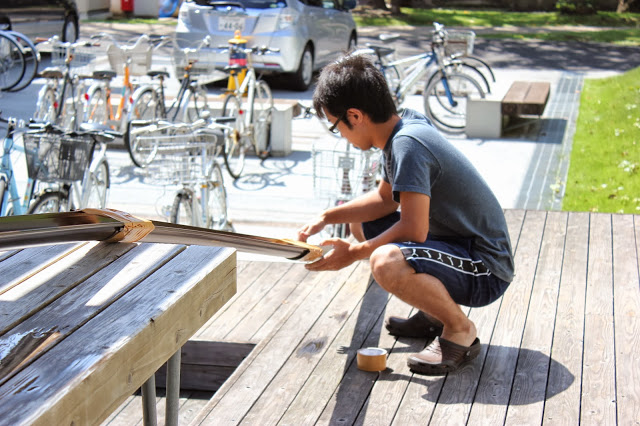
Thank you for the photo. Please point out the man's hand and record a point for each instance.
(311, 229)
(342, 255)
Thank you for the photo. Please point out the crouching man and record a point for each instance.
(434, 232)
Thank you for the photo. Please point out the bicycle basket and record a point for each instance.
(203, 69)
(343, 172)
(54, 157)
(459, 42)
(81, 56)
(182, 157)
(139, 59)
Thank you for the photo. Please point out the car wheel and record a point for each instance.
(70, 29)
(352, 43)
(302, 78)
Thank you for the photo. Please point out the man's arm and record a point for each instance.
(367, 207)
(413, 226)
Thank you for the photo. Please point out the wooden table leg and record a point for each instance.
(173, 389)
(149, 402)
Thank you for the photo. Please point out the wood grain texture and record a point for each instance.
(598, 403)
(494, 388)
(626, 287)
(565, 372)
(99, 365)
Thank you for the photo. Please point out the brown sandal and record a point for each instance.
(442, 356)
(418, 325)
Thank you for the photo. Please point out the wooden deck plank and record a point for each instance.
(495, 384)
(241, 303)
(276, 305)
(246, 385)
(598, 402)
(459, 390)
(626, 281)
(563, 390)
(526, 404)
(315, 344)
(576, 294)
(351, 396)
(326, 379)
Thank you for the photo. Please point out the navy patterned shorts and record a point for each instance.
(451, 260)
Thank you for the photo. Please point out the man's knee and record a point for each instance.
(387, 266)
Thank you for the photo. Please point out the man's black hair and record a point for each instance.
(353, 82)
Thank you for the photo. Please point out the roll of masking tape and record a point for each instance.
(372, 359)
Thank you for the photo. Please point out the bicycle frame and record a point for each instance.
(11, 196)
(248, 86)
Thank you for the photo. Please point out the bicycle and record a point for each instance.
(252, 127)
(186, 156)
(69, 162)
(189, 104)
(127, 60)
(446, 89)
(59, 100)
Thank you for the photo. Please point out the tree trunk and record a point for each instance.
(623, 6)
(379, 4)
(395, 7)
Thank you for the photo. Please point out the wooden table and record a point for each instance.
(83, 326)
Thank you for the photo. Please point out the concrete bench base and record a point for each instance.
(486, 117)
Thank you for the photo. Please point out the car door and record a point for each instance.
(35, 18)
(339, 21)
(320, 30)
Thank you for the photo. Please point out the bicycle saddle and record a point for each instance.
(51, 72)
(103, 75)
(388, 38)
(156, 73)
(381, 50)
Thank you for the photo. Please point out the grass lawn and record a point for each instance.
(626, 27)
(604, 171)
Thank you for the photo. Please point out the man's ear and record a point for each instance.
(355, 114)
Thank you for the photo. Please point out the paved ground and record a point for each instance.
(526, 168)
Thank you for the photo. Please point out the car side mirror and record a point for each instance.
(349, 4)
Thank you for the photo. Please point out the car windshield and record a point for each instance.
(247, 4)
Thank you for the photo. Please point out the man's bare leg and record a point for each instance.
(425, 292)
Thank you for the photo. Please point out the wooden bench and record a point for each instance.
(487, 117)
(526, 98)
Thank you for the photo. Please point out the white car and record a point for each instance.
(307, 34)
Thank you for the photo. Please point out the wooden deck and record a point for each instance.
(560, 347)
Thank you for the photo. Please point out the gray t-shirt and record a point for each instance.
(417, 158)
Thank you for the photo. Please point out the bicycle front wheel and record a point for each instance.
(3, 188)
(216, 200)
(96, 111)
(235, 147)
(445, 100)
(181, 210)
(98, 186)
(261, 117)
(460, 67)
(12, 64)
(196, 105)
(49, 202)
(45, 106)
(31, 60)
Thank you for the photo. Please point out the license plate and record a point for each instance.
(226, 23)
